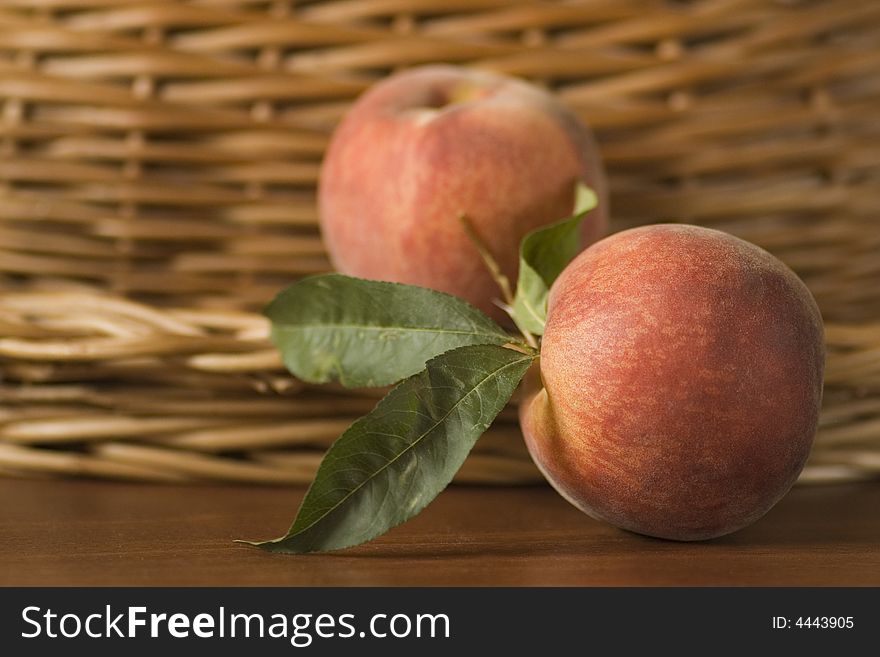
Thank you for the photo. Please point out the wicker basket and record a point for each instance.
(157, 170)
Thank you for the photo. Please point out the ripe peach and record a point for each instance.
(682, 378)
(429, 144)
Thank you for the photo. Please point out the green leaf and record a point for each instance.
(543, 254)
(369, 333)
(391, 463)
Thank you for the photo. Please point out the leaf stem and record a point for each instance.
(488, 259)
(530, 339)
(522, 348)
(497, 275)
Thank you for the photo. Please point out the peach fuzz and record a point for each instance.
(682, 379)
(427, 145)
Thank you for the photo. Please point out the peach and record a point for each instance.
(682, 379)
(427, 145)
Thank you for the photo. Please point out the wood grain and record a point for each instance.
(95, 533)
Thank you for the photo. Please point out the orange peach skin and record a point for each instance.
(682, 371)
(429, 144)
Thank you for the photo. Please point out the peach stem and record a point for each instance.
(497, 275)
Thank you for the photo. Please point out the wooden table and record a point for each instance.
(98, 533)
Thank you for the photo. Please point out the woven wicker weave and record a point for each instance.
(158, 162)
